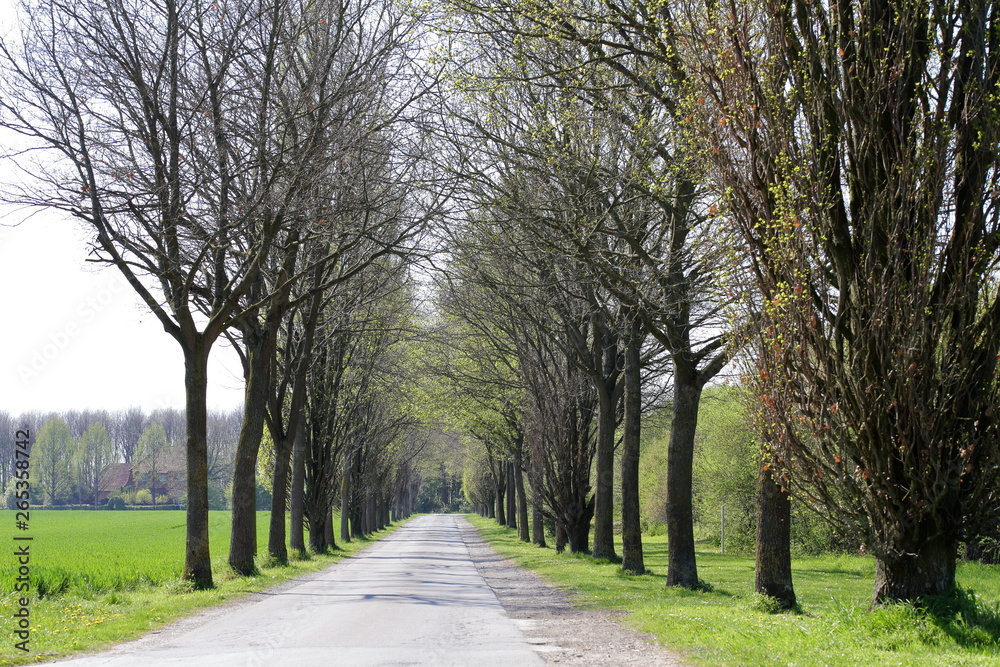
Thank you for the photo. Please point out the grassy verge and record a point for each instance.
(730, 625)
(100, 578)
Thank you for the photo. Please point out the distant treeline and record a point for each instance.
(81, 444)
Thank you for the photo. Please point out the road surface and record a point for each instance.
(413, 598)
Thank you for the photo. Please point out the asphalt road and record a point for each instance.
(413, 598)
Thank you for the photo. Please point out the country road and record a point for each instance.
(414, 598)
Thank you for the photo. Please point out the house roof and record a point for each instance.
(116, 476)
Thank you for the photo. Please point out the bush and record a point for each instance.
(811, 535)
(985, 547)
(657, 528)
(459, 506)
(143, 497)
(10, 499)
(115, 503)
(162, 500)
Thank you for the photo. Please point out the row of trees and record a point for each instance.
(808, 190)
(252, 171)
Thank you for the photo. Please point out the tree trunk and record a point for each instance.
(537, 520)
(243, 535)
(296, 537)
(317, 534)
(331, 543)
(284, 444)
(279, 500)
(522, 500)
(345, 502)
(632, 559)
(370, 514)
(579, 537)
(578, 528)
(501, 489)
(604, 487)
(681, 567)
(560, 538)
(197, 559)
(511, 497)
(357, 513)
(925, 567)
(356, 500)
(774, 556)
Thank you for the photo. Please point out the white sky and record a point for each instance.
(74, 335)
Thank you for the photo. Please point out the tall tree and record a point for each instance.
(151, 446)
(124, 427)
(51, 458)
(508, 298)
(856, 147)
(94, 452)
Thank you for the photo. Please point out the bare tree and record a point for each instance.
(93, 454)
(223, 430)
(342, 93)
(124, 428)
(158, 129)
(7, 447)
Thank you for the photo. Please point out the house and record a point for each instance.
(169, 468)
(114, 478)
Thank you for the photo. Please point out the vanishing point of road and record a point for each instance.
(413, 598)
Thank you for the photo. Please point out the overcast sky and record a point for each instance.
(75, 336)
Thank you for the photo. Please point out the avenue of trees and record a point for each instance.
(476, 246)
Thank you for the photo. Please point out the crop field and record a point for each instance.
(101, 577)
(100, 551)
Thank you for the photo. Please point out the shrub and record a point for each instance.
(10, 499)
(116, 503)
(143, 497)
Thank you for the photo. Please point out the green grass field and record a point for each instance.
(102, 577)
(730, 625)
